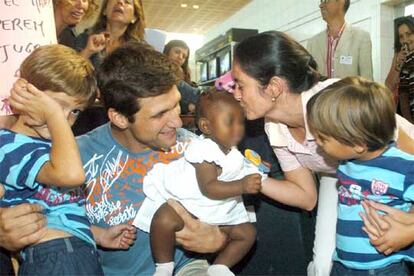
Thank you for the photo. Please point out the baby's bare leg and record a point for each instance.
(162, 233)
(242, 238)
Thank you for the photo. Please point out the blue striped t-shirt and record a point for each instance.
(21, 158)
(386, 179)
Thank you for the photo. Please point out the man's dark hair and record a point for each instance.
(132, 72)
(346, 5)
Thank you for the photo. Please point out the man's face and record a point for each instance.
(157, 120)
(331, 8)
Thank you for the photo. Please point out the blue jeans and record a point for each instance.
(6, 267)
(64, 256)
(395, 269)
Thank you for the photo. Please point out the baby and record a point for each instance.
(208, 181)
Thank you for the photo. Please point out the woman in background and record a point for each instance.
(68, 13)
(120, 21)
(179, 52)
(398, 79)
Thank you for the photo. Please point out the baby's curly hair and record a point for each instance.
(208, 102)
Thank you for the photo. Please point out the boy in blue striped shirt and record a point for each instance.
(353, 120)
(40, 162)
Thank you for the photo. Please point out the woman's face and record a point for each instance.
(251, 95)
(72, 11)
(178, 55)
(406, 36)
(120, 11)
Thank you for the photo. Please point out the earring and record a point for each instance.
(132, 21)
(273, 99)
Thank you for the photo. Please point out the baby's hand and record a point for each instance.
(37, 105)
(252, 184)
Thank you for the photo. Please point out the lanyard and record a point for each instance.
(330, 52)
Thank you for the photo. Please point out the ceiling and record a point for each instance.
(168, 15)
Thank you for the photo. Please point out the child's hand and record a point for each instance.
(36, 104)
(252, 184)
(118, 237)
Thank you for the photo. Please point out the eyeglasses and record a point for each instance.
(326, 1)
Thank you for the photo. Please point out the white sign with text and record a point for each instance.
(24, 26)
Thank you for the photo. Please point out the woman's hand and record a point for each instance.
(197, 236)
(400, 59)
(393, 77)
(390, 232)
(96, 43)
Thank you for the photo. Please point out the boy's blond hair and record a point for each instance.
(60, 69)
(353, 111)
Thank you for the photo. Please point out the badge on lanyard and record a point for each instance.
(345, 60)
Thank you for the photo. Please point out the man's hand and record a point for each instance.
(396, 214)
(120, 236)
(21, 225)
(252, 184)
(390, 232)
(374, 226)
(197, 236)
(397, 237)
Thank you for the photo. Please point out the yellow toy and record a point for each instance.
(255, 159)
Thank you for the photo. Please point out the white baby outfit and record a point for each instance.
(177, 180)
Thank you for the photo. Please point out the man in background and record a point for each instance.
(341, 50)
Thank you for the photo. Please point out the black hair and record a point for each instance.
(274, 53)
(210, 99)
(131, 72)
(346, 5)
